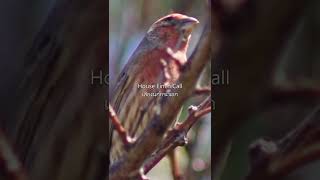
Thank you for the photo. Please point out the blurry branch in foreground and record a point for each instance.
(252, 36)
(60, 118)
(10, 166)
(275, 159)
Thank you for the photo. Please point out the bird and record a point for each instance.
(158, 59)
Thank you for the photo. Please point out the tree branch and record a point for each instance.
(178, 135)
(175, 169)
(202, 91)
(287, 95)
(252, 37)
(126, 139)
(275, 160)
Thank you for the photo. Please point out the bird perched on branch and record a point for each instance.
(157, 61)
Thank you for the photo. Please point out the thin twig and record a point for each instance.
(202, 91)
(126, 139)
(195, 113)
(175, 169)
(178, 135)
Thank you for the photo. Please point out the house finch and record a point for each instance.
(156, 61)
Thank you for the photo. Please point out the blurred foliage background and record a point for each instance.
(128, 22)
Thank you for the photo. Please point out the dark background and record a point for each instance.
(20, 21)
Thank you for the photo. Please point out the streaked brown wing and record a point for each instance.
(131, 107)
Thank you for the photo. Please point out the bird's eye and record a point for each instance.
(169, 19)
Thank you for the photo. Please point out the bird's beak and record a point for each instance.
(188, 24)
